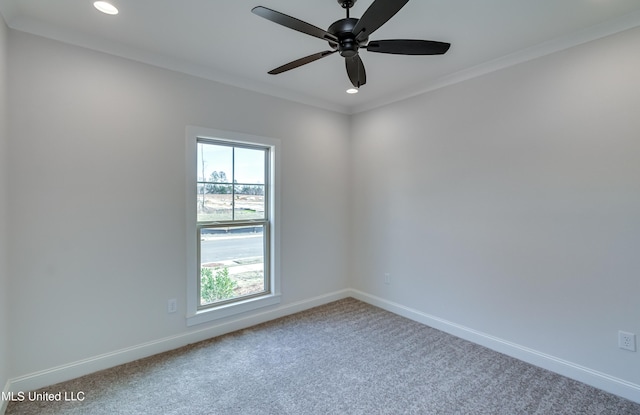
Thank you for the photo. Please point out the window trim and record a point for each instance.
(194, 314)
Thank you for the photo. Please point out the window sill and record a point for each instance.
(229, 310)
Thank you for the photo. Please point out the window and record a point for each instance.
(232, 228)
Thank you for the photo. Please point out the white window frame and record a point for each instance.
(194, 315)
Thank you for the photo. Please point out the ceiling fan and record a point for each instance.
(346, 36)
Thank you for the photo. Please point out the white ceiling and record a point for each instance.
(224, 41)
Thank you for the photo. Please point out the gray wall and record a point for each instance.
(4, 278)
(97, 197)
(510, 204)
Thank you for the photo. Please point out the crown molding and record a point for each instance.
(608, 28)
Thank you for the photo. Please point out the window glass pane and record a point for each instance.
(215, 202)
(215, 163)
(231, 263)
(249, 202)
(249, 166)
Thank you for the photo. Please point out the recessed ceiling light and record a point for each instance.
(352, 91)
(105, 7)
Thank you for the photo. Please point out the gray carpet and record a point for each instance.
(346, 357)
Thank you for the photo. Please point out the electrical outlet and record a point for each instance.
(627, 341)
(172, 305)
(387, 278)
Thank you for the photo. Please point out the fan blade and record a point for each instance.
(300, 62)
(356, 72)
(293, 23)
(376, 15)
(408, 47)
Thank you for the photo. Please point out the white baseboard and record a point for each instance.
(571, 370)
(83, 367)
(3, 403)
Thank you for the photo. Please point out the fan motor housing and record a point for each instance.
(348, 45)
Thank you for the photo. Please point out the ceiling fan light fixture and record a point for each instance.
(105, 7)
(352, 91)
(350, 35)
